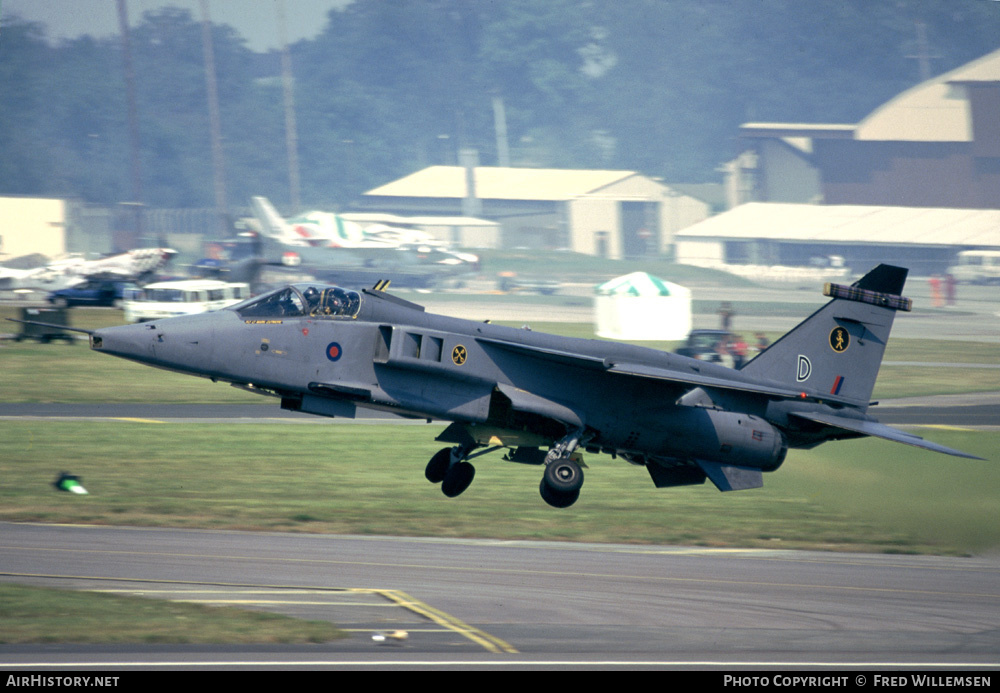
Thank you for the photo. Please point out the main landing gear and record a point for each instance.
(560, 485)
(450, 469)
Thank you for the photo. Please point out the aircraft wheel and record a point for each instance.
(457, 479)
(437, 468)
(563, 476)
(557, 499)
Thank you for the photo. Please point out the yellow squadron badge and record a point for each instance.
(840, 339)
(459, 355)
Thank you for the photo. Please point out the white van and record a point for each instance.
(186, 297)
(977, 267)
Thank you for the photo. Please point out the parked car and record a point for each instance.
(91, 293)
(510, 282)
(715, 346)
(977, 267)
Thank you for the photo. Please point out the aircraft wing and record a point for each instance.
(568, 358)
(681, 379)
(874, 428)
(695, 379)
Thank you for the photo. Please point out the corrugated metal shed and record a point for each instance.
(497, 183)
(852, 224)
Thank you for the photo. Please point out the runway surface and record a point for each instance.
(511, 604)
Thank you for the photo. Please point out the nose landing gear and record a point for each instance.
(563, 477)
(560, 485)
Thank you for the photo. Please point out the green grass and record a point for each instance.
(39, 615)
(368, 479)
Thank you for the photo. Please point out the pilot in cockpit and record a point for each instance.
(312, 298)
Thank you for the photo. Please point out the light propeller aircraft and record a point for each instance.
(327, 351)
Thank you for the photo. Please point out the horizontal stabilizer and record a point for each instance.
(878, 430)
(729, 478)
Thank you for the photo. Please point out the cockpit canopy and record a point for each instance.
(302, 301)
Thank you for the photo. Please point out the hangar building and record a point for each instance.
(914, 183)
(935, 145)
(612, 214)
(763, 234)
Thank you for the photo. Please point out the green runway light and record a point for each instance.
(69, 483)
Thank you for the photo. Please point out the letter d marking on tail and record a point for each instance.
(804, 369)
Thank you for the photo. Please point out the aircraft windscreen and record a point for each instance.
(303, 300)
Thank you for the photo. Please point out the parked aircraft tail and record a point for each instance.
(837, 350)
(273, 224)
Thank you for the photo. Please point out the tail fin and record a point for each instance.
(272, 224)
(838, 349)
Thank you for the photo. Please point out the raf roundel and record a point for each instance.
(334, 352)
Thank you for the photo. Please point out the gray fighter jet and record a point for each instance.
(326, 350)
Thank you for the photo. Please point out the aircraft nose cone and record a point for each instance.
(181, 343)
(127, 341)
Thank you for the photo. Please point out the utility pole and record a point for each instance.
(923, 55)
(218, 164)
(500, 126)
(133, 121)
(291, 132)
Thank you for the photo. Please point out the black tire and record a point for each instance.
(437, 468)
(557, 499)
(457, 479)
(563, 476)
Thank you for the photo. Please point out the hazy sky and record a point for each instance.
(255, 20)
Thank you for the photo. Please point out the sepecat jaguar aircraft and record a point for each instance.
(545, 399)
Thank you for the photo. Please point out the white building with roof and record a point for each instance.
(613, 214)
(759, 234)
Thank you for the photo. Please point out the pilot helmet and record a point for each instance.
(311, 295)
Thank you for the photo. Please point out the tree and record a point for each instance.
(391, 86)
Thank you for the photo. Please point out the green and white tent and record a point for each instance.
(640, 306)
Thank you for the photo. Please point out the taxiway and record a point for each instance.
(518, 603)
